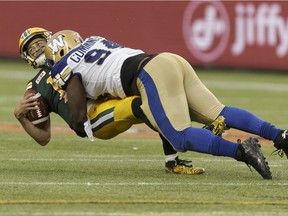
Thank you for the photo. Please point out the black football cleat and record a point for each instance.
(252, 156)
(281, 143)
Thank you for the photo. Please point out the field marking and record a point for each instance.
(81, 159)
(151, 213)
(123, 159)
(178, 202)
(17, 74)
(97, 184)
(232, 84)
(263, 86)
(115, 159)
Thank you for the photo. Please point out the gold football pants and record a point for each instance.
(111, 117)
(173, 96)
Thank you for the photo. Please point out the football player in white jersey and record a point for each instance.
(172, 95)
(109, 116)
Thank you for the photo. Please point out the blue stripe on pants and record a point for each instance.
(195, 139)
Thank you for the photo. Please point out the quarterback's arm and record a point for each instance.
(41, 136)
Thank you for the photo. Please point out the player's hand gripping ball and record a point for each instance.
(39, 116)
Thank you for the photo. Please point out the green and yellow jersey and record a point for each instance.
(43, 84)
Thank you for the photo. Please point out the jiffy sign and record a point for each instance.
(234, 33)
(244, 34)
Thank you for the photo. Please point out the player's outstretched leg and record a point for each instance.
(251, 154)
(244, 120)
(173, 164)
(178, 166)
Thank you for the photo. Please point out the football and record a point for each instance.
(39, 116)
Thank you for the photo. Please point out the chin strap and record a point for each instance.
(39, 61)
(88, 129)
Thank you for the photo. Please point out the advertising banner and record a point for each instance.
(237, 34)
(233, 34)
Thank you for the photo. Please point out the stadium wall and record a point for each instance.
(230, 34)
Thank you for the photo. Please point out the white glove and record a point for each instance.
(88, 129)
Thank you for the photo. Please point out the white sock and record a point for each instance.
(170, 157)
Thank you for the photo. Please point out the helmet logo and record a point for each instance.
(56, 43)
(25, 34)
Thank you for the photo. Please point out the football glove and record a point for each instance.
(218, 126)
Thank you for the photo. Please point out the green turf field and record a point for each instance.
(125, 176)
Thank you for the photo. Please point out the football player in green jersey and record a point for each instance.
(106, 124)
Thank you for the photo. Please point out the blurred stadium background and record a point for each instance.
(218, 33)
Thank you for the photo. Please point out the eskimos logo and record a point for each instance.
(206, 29)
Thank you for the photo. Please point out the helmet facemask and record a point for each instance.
(37, 58)
(26, 38)
(37, 62)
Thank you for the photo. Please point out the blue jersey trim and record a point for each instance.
(60, 66)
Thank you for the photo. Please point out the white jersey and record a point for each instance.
(98, 62)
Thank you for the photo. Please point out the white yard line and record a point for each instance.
(19, 75)
(154, 213)
(263, 86)
(101, 184)
(232, 84)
